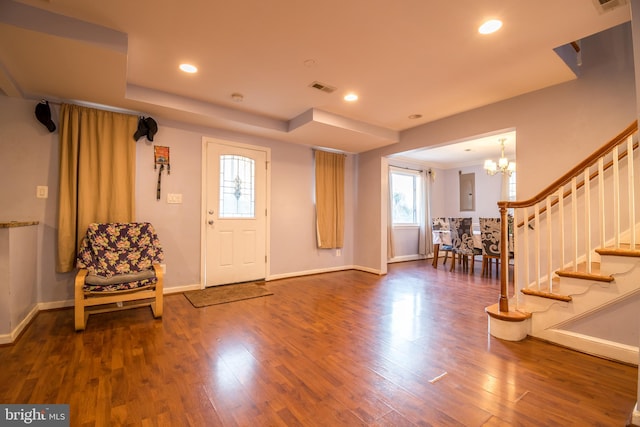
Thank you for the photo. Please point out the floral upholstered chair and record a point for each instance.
(490, 234)
(490, 231)
(441, 239)
(462, 243)
(118, 262)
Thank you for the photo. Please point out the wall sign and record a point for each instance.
(161, 157)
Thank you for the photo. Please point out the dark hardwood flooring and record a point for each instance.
(340, 349)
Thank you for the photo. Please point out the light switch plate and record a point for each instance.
(174, 198)
(42, 191)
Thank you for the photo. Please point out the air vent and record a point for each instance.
(607, 5)
(323, 87)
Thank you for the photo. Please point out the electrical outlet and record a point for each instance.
(338, 252)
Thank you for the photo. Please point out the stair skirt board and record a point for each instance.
(530, 301)
(591, 345)
(553, 314)
(550, 318)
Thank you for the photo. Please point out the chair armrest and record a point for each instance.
(80, 277)
(159, 275)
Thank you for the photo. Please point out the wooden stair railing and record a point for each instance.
(550, 202)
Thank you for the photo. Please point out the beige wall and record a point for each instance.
(30, 158)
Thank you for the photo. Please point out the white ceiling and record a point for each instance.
(470, 152)
(402, 58)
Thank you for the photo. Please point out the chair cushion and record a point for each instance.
(94, 279)
(113, 249)
(119, 287)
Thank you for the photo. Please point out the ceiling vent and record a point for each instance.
(323, 87)
(607, 5)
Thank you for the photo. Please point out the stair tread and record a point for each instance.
(625, 249)
(581, 273)
(509, 316)
(546, 294)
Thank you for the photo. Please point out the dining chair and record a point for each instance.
(441, 239)
(462, 243)
(490, 236)
(491, 232)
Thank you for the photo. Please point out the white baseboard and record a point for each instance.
(368, 270)
(11, 337)
(180, 289)
(405, 258)
(307, 273)
(591, 345)
(322, 270)
(55, 305)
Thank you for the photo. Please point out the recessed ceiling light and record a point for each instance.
(237, 97)
(415, 116)
(351, 97)
(490, 26)
(188, 68)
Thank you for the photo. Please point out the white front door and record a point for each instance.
(235, 213)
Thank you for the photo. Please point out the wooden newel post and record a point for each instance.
(504, 257)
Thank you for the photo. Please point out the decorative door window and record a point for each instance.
(237, 187)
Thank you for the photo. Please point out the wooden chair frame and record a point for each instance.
(84, 301)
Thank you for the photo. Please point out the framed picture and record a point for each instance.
(467, 191)
(161, 155)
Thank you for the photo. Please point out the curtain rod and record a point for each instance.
(92, 105)
(330, 151)
(411, 169)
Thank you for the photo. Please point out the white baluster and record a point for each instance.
(616, 198)
(587, 219)
(516, 268)
(527, 248)
(536, 222)
(631, 185)
(574, 223)
(601, 205)
(561, 224)
(549, 243)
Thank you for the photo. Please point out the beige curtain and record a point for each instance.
(425, 244)
(97, 174)
(329, 199)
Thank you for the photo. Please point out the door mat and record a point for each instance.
(227, 293)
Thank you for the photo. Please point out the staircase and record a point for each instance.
(577, 264)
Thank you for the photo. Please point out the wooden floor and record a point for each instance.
(340, 349)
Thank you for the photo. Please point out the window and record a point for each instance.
(237, 187)
(512, 186)
(405, 191)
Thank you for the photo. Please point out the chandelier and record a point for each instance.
(503, 165)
